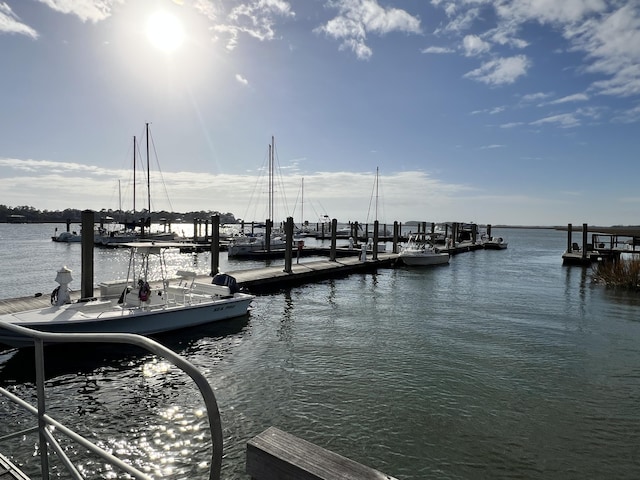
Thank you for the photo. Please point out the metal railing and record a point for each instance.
(46, 424)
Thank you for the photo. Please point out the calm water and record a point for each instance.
(504, 364)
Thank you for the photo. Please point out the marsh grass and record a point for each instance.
(624, 273)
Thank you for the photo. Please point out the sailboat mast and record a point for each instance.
(148, 171)
(302, 204)
(134, 174)
(271, 155)
(376, 193)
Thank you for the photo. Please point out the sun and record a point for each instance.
(165, 31)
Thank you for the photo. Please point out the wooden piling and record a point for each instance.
(374, 247)
(86, 238)
(215, 244)
(334, 234)
(396, 235)
(267, 234)
(288, 230)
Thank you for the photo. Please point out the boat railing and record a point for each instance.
(46, 425)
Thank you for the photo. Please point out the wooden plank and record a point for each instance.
(277, 455)
(8, 471)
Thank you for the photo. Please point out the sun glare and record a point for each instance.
(165, 31)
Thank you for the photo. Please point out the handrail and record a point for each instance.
(45, 421)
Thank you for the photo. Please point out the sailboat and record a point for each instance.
(245, 245)
(375, 195)
(130, 233)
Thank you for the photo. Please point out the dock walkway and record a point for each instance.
(257, 280)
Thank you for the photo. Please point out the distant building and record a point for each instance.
(17, 219)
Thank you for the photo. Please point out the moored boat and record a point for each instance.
(418, 252)
(134, 305)
(246, 244)
(495, 243)
(66, 237)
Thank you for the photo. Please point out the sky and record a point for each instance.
(520, 112)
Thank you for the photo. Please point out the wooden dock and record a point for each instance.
(607, 243)
(257, 280)
(266, 279)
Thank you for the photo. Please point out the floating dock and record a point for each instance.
(607, 243)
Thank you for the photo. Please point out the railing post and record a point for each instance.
(44, 451)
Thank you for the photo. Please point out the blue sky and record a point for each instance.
(523, 112)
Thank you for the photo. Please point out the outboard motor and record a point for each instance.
(225, 280)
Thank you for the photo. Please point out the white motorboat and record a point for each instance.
(494, 243)
(134, 305)
(417, 252)
(67, 237)
(246, 244)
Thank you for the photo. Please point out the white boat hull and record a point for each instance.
(424, 259)
(419, 253)
(107, 316)
(495, 244)
(246, 245)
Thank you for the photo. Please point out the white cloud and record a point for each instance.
(501, 71)
(358, 18)
(437, 50)
(474, 45)
(92, 10)
(548, 11)
(10, 23)
(459, 23)
(344, 194)
(613, 45)
(564, 120)
(607, 32)
(630, 115)
(535, 97)
(240, 79)
(256, 18)
(578, 97)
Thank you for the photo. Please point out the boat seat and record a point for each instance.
(177, 290)
(186, 278)
(211, 289)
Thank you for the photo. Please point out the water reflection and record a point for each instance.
(18, 366)
(287, 320)
(575, 286)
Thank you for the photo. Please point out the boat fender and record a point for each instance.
(144, 292)
(54, 295)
